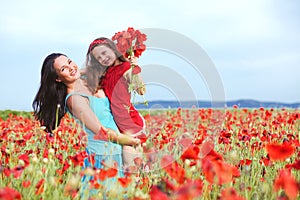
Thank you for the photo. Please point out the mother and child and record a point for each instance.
(98, 98)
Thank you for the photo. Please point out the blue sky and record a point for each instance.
(253, 44)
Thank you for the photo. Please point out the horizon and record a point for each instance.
(140, 106)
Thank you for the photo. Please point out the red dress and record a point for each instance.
(115, 86)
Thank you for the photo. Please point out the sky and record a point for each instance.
(218, 49)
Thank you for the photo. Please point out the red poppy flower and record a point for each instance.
(245, 162)
(230, 193)
(25, 158)
(279, 152)
(111, 172)
(190, 190)
(17, 171)
(64, 168)
(266, 161)
(169, 185)
(106, 173)
(295, 165)
(142, 137)
(28, 136)
(78, 159)
(130, 41)
(102, 175)
(156, 194)
(217, 170)
(173, 169)
(25, 184)
(124, 181)
(8, 193)
(191, 153)
(286, 181)
(39, 187)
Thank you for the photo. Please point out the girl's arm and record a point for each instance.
(134, 78)
(79, 107)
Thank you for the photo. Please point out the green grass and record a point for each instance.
(4, 114)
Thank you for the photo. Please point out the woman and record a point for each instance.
(61, 85)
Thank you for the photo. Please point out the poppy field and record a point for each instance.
(204, 154)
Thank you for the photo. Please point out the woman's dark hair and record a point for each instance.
(94, 70)
(50, 96)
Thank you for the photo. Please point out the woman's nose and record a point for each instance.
(73, 67)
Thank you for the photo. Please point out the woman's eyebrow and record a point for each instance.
(68, 61)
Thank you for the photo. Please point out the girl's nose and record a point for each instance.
(101, 58)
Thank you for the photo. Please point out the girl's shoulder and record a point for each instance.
(124, 65)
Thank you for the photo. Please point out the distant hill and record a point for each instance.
(207, 104)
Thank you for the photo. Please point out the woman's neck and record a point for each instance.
(78, 86)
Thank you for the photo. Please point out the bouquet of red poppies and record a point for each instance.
(130, 42)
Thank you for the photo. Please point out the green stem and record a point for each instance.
(56, 115)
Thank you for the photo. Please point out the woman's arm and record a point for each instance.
(79, 107)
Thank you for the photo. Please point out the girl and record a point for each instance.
(107, 68)
(61, 85)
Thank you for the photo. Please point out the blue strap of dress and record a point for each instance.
(74, 93)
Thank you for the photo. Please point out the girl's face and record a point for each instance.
(104, 55)
(66, 70)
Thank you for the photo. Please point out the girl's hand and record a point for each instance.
(133, 60)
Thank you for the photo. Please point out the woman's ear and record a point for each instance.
(58, 80)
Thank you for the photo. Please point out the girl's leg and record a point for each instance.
(129, 155)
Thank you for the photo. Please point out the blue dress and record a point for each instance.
(108, 152)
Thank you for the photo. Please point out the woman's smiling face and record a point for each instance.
(67, 71)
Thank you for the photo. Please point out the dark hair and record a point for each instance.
(94, 70)
(50, 96)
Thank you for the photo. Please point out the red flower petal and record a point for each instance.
(279, 152)
(9, 194)
(124, 181)
(191, 153)
(156, 194)
(286, 181)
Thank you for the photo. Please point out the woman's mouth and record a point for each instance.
(74, 72)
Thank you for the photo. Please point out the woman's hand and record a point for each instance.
(113, 136)
(136, 142)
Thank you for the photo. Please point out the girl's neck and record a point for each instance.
(117, 62)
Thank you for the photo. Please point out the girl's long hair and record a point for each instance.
(51, 95)
(94, 70)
